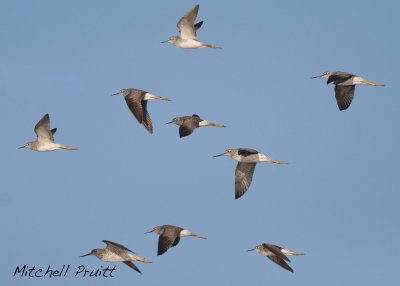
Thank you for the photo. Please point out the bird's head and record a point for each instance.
(156, 229)
(256, 248)
(228, 152)
(28, 145)
(325, 74)
(176, 120)
(171, 40)
(94, 252)
(123, 92)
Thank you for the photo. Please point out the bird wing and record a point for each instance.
(167, 239)
(344, 95)
(188, 126)
(277, 250)
(339, 77)
(42, 129)
(178, 238)
(186, 26)
(133, 266)
(198, 25)
(243, 176)
(280, 262)
(247, 151)
(134, 102)
(115, 247)
(146, 118)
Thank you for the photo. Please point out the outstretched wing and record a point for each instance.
(243, 177)
(42, 129)
(135, 103)
(280, 262)
(167, 239)
(115, 247)
(344, 95)
(186, 26)
(277, 250)
(188, 126)
(146, 118)
(133, 266)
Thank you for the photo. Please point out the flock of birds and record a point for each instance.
(136, 100)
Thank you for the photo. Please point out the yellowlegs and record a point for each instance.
(276, 253)
(247, 159)
(345, 85)
(45, 139)
(187, 38)
(189, 123)
(170, 236)
(115, 252)
(136, 100)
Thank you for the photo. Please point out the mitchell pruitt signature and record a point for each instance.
(50, 272)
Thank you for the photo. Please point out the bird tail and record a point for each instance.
(213, 47)
(290, 252)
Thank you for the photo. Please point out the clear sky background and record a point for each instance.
(337, 200)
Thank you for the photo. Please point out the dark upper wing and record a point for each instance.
(198, 25)
(146, 118)
(186, 26)
(135, 103)
(277, 250)
(115, 247)
(188, 126)
(133, 266)
(243, 177)
(280, 262)
(344, 95)
(247, 151)
(339, 77)
(176, 241)
(167, 239)
(42, 129)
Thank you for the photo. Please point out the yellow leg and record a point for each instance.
(278, 162)
(68, 148)
(213, 47)
(372, 83)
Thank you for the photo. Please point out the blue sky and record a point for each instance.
(336, 201)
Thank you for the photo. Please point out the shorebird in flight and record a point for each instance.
(247, 160)
(276, 253)
(345, 85)
(187, 38)
(115, 252)
(170, 236)
(136, 100)
(187, 124)
(45, 138)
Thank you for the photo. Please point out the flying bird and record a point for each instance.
(187, 38)
(45, 137)
(345, 85)
(136, 100)
(247, 159)
(115, 252)
(170, 236)
(276, 253)
(187, 124)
